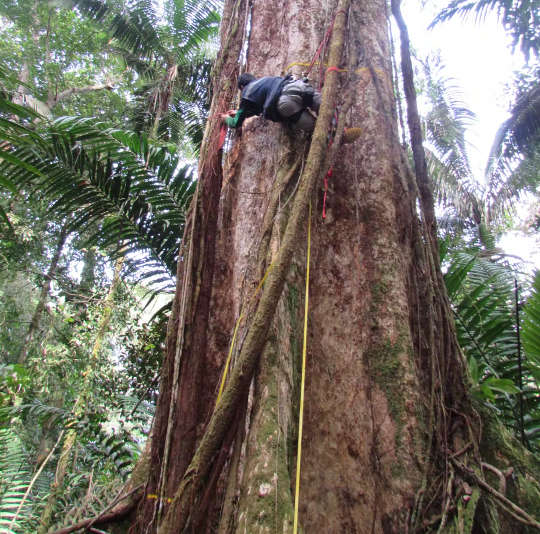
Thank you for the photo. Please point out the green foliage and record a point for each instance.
(444, 125)
(64, 61)
(112, 428)
(531, 328)
(521, 19)
(483, 298)
(471, 209)
(144, 346)
(14, 481)
(116, 193)
(512, 167)
(515, 152)
(169, 53)
(14, 379)
(132, 192)
(22, 114)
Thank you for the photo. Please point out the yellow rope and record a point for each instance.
(360, 70)
(242, 315)
(303, 381)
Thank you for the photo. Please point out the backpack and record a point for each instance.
(300, 88)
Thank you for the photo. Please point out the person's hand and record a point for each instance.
(230, 113)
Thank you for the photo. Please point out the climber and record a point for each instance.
(278, 99)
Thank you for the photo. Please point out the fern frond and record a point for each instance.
(14, 481)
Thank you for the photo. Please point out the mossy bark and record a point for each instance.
(386, 396)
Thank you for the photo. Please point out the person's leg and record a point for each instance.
(316, 102)
(306, 122)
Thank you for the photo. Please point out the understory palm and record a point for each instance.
(513, 162)
(487, 302)
(479, 281)
(129, 192)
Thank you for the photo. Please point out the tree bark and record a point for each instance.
(386, 397)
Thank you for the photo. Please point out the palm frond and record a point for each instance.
(521, 19)
(14, 481)
(483, 300)
(193, 22)
(467, 8)
(453, 190)
(35, 409)
(447, 119)
(134, 191)
(116, 450)
(511, 167)
(517, 136)
(447, 157)
(22, 115)
(135, 28)
(531, 326)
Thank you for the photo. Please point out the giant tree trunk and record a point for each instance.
(386, 397)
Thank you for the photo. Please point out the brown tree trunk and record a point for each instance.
(386, 400)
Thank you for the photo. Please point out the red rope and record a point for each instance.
(322, 45)
(328, 175)
(319, 49)
(222, 135)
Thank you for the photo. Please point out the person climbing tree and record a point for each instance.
(279, 99)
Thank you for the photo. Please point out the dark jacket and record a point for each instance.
(260, 97)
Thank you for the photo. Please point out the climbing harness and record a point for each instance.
(302, 381)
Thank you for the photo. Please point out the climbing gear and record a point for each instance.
(301, 90)
(328, 175)
(222, 136)
(302, 381)
(321, 49)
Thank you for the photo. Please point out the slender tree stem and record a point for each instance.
(45, 288)
(520, 369)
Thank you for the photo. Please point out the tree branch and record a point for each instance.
(515, 511)
(104, 517)
(63, 95)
